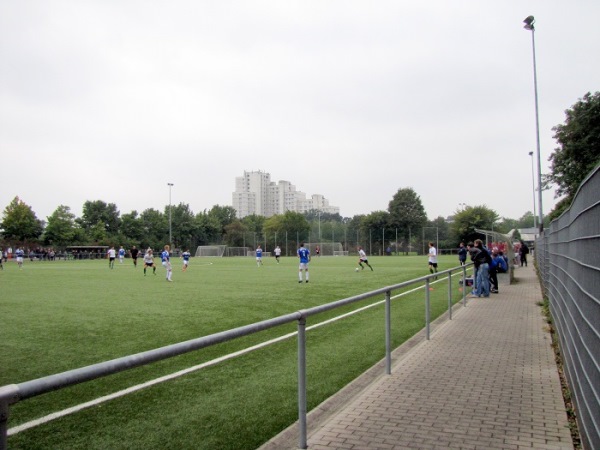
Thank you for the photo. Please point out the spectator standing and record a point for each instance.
(462, 254)
(481, 258)
(523, 252)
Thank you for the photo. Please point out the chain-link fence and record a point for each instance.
(568, 257)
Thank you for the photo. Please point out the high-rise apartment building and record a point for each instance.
(255, 193)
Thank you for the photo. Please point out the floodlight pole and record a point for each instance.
(529, 25)
(170, 227)
(533, 185)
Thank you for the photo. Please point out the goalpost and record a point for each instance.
(236, 251)
(210, 250)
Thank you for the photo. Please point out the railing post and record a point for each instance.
(9, 394)
(3, 425)
(302, 443)
(449, 295)
(464, 277)
(388, 333)
(427, 301)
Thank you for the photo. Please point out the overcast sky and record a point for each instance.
(113, 99)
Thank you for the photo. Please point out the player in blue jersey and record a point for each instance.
(186, 259)
(259, 256)
(20, 253)
(165, 257)
(121, 254)
(304, 255)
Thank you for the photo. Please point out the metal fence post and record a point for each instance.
(427, 301)
(302, 383)
(388, 333)
(449, 296)
(9, 394)
(464, 277)
(3, 425)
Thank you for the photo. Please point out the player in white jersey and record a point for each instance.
(112, 254)
(362, 258)
(277, 253)
(432, 258)
(149, 261)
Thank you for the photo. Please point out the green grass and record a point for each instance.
(58, 316)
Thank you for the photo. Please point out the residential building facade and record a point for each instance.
(255, 193)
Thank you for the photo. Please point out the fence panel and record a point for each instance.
(568, 257)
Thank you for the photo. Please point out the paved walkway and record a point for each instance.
(485, 380)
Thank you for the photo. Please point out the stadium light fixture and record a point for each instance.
(529, 25)
(533, 185)
(170, 227)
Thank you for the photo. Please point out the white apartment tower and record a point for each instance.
(255, 193)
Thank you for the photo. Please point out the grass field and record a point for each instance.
(58, 316)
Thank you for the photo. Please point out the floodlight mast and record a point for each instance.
(529, 25)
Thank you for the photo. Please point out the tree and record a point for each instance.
(19, 222)
(60, 230)
(224, 215)
(295, 224)
(438, 232)
(132, 229)
(407, 212)
(155, 228)
(184, 226)
(579, 148)
(472, 218)
(234, 234)
(98, 212)
(373, 226)
(209, 229)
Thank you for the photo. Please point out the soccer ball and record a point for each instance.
(356, 270)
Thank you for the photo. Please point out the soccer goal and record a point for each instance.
(210, 250)
(340, 253)
(236, 251)
(253, 254)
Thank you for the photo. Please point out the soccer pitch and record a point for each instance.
(62, 315)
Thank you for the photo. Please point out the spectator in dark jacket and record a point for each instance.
(481, 259)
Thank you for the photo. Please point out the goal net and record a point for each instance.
(236, 251)
(340, 253)
(325, 248)
(253, 254)
(210, 250)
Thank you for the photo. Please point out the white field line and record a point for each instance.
(98, 401)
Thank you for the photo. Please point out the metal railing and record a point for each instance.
(14, 393)
(568, 259)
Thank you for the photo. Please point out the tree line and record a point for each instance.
(404, 222)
